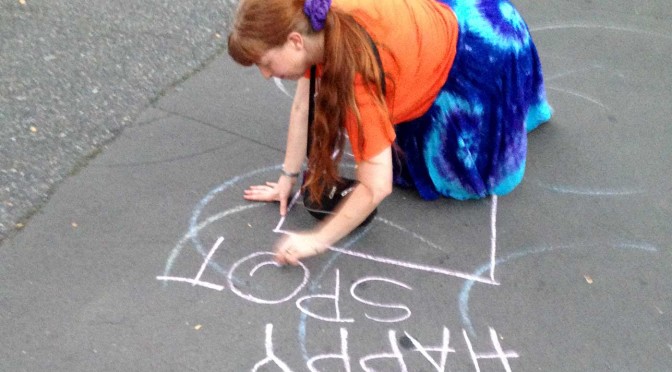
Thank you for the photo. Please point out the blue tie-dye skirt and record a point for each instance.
(473, 140)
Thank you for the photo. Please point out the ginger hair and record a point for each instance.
(260, 25)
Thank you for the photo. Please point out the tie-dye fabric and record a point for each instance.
(473, 140)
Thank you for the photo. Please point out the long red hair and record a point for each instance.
(260, 25)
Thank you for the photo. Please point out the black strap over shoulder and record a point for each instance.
(326, 204)
(311, 105)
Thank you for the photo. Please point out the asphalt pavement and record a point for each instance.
(135, 250)
(74, 74)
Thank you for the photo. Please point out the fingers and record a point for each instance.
(286, 257)
(285, 252)
(291, 249)
(281, 250)
(261, 192)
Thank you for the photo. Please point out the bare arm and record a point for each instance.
(295, 152)
(375, 183)
(297, 134)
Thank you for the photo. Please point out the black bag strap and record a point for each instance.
(311, 93)
(311, 107)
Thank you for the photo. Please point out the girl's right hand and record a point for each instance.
(272, 191)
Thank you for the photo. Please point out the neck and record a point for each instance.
(315, 48)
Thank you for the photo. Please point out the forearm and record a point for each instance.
(297, 133)
(375, 184)
(350, 213)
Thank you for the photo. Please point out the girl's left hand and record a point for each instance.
(295, 246)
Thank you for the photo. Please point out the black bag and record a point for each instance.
(330, 200)
(335, 193)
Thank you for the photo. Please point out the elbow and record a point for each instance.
(380, 192)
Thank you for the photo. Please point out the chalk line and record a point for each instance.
(207, 259)
(581, 95)
(193, 282)
(270, 354)
(234, 289)
(500, 354)
(193, 232)
(413, 234)
(292, 202)
(195, 227)
(589, 192)
(409, 265)
(463, 297)
(301, 329)
(378, 304)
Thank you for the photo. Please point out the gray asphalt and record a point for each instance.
(120, 216)
(73, 74)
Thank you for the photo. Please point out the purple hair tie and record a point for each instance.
(317, 10)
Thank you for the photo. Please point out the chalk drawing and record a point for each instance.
(444, 349)
(197, 279)
(343, 356)
(336, 297)
(249, 297)
(589, 192)
(195, 227)
(394, 355)
(463, 297)
(301, 303)
(581, 95)
(270, 355)
(484, 273)
(501, 355)
(410, 265)
(315, 284)
(378, 304)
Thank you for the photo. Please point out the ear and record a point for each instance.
(296, 40)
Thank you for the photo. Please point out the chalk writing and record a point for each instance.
(306, 304)
(499, 354)
(196, 227)
(394, 354)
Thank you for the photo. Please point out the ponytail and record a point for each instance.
(347, 53)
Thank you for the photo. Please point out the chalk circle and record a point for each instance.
(584, 277)
(199, 223)
(270, 262)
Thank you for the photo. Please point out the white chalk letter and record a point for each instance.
(335, 297)
(249, 297)
(389, 306)
(342, 356)
(444, 349)
(396, 354)
(270, 355)
(499, 354)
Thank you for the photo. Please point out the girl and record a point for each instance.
(435, 95)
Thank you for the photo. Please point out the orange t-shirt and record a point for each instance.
(417, 42)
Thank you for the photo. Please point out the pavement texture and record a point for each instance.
(74, 73)
(148, 259)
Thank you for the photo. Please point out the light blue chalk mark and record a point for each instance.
(314, 285)
(463, 297)
(589, 192)
(195, 227)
